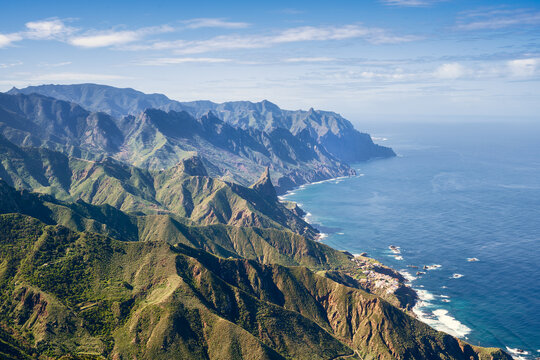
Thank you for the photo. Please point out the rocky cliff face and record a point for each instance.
(158, 140)
(328, 129)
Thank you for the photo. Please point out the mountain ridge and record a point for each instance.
(156, 140)
(329, 129)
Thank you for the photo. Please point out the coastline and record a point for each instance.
(422, 307)
(381, 279)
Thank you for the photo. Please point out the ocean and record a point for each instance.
(463, 199)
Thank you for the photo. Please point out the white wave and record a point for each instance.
(307, 217)
(340, 233)
(457, 276)
(322, 236)
(398, 257)
(439, 319)
(517, 352)
(425, 295)
(445, 296)
(450, 324)
(407, 275)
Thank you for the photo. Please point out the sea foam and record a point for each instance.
(516, 353)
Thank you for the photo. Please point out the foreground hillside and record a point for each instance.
(65, 292)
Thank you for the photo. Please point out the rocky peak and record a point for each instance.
(264, 185)
(192, 166)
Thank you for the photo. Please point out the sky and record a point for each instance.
(376, 60)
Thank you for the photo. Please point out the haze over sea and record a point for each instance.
(455, 192)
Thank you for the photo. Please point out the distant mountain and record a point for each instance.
(329, 129)
(156, 140)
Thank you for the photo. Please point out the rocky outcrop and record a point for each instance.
(264, 186)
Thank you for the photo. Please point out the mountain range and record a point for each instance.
(155, 140)
(133, 226)
(329, 129)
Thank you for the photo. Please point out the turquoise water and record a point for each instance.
(454, 192)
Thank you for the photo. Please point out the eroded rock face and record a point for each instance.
(155, 139)
(264, 186)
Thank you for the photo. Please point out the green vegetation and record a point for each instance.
(184, 190)
(107, 260)
(83, 294)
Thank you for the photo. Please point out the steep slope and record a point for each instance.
(329, 129)
(65, 292)
(268, 246)
(36, 120)
(185, 190)
(264, 245)
(158, 140)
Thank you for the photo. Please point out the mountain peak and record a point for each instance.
(264, 185)
(193, 166)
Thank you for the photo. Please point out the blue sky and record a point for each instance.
(428, 60)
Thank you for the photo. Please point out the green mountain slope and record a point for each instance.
(264, 245)
(65, 292)
(184, 190)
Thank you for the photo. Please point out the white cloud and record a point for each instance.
(182, 60)
(47, 29)
(39, 30)
(498, 19)
(104, 39)
(412, 3)
(59, 64)
(8, 65)
(112, 37)
(298, 34)
(309, 59)
(523, 67)
(8, 39)
(450, 71)
(214, 23)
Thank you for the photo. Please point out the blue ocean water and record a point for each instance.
(455, 192)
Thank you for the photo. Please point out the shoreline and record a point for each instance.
(423, 310)
(404, 279)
